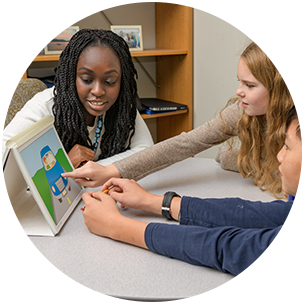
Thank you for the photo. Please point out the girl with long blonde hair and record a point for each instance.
(256, 116)
(262, 136)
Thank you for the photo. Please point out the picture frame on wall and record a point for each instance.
(132, 34)
(57, 45)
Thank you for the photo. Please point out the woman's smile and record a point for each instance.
(96, 103)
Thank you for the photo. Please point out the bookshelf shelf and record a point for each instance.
(164, 114)
(144, 53)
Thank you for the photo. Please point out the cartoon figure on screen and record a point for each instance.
(59, 185)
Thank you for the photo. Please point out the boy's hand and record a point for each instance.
(130, 194)
(101, 213)
(102, 217)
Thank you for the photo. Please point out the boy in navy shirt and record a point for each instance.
(260, 241)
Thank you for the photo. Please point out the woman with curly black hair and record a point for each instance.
(93, 101)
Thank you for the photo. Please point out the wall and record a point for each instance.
(217, 47)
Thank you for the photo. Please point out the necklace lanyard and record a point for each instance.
(98, 132)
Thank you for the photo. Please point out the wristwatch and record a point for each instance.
(166, 204)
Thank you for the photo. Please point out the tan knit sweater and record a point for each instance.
(180, 147)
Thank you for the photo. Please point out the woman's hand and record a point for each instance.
(130, 194)
(93, 174)
(79, 154)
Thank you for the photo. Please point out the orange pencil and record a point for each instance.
(107, 190)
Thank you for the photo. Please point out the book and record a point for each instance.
(33, 162)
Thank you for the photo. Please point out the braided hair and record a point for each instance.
(69, 114)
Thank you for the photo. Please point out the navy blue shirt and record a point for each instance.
(228, 234)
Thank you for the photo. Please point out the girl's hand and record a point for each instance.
(130, 194)
(79, 154)
(93, 174)
(101, 213)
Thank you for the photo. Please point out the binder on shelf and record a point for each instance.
(33, 162)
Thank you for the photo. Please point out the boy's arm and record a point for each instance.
(235, 212)
(227, 249)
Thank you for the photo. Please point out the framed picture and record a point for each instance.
(132, 34)
(57, 45)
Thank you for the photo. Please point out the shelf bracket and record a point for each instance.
(147, 73)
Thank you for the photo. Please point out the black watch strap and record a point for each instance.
(166, 204)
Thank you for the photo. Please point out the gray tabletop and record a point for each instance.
(126, 271)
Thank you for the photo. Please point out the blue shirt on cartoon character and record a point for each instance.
(53, 171)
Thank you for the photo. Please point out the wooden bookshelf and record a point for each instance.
(174, 29)
(174, 66)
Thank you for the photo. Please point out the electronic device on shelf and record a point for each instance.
(159, 105)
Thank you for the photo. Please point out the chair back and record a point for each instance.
(14, 94)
